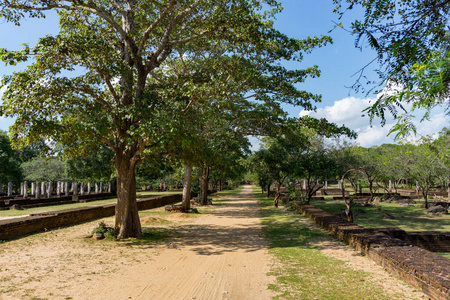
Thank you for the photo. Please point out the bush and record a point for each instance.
(108, 232)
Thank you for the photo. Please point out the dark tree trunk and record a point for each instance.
(277, 197)
(187, 187)
(204, 185)
(268, 190)
(127, 215)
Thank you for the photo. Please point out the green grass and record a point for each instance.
(303, 272)
(13, 212)
(410, 218)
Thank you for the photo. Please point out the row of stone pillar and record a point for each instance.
(45, 189)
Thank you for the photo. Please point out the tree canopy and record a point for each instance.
(108, 76)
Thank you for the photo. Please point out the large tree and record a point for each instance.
(98, 81)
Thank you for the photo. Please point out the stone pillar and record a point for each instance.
(49, 189)
(82, 188)
(33, 188)
(325, 186)
(339, 185)
(96, 188)
(101, 187)
(390, 186)
(109, 187)
(25, 189)
(88, 188)
(58, 189)
(10, 189)
(21, 189)
(43, 188)
(74, 191)
(66, 188)
(38, 191)
(304, 184)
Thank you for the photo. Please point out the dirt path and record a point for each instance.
(220, 255)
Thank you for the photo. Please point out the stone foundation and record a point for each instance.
(14, 228)
(421, 268)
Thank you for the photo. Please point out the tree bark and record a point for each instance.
(204, 184)
(277, 197)
(268, 190)
(187, 187)
(127, 215)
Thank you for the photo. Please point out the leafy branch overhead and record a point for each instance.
(141, 76)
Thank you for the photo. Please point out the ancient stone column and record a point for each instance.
(304, 184)
(58, 189)
(43, 188)
(74, 191)
(339, 185)
(109, 187)
(66, 188)
(82, 188)
(96, 188)
(49, 189)
(33, 188)
(390, 186)
(88, 188)
(25, 189)
(38, 191)
(10, 189)
(101, 187)
(21, 189)
(325, 186)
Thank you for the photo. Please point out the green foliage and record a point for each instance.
(9, 162)
(411, 39)
(44, 169)
(108, 232)
(96, 165)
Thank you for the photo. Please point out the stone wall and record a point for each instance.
(14, 228)
(422, 268)
(431, 241)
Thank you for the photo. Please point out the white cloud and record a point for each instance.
(348, 112)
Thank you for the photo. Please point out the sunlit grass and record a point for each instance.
(409, 218)
(303, 272)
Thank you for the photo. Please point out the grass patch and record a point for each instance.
(409, 218)
(303, 272)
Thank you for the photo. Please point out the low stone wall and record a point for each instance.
(422, 268)
(431, 241)
(13, 228)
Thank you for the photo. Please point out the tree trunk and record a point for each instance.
(187, 187)
(277, 197)
(204, 185)
(268, 190)
(127, 215)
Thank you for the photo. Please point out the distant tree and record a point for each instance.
(422, 166)
(96, 164)
(44, 169)
(9, 162)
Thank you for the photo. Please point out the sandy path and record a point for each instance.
(220, 255)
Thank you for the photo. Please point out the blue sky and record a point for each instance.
(300, 19)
